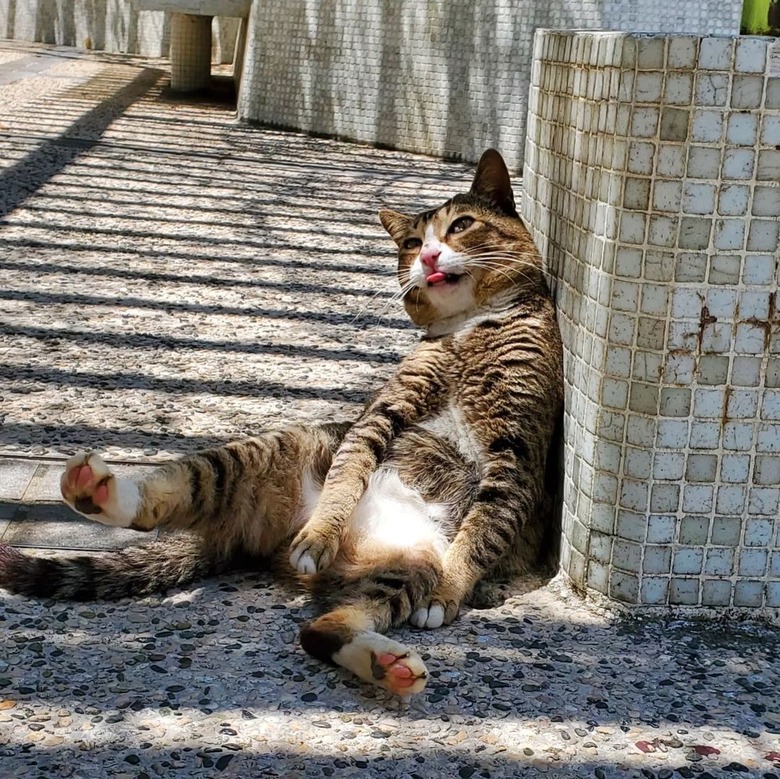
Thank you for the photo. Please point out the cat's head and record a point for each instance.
(459, 257)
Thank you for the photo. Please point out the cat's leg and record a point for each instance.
(248, 493)
(418, 388)
(504, 506)
(249, 497)
(347, 636)
(375, 590)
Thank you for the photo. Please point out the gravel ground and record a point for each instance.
(172, 279)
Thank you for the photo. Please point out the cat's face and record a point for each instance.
(454, 259)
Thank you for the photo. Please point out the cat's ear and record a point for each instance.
(492, 181)
(396, 223)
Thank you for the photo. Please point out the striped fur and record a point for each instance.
(438, 485)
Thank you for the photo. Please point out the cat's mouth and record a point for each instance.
(442, 279)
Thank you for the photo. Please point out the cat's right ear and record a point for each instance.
(396, 223)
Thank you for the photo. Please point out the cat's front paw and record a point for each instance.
(441, 609)
(90, 488)
(314, 548)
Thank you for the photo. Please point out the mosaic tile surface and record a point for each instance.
(447, 79)
(122, 26)
(652, 188)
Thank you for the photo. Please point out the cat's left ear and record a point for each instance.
(396, 223)
(492, 181)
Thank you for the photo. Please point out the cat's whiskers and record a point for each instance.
(497, 267)
(503, 257)
(397, 296)
(394, 297)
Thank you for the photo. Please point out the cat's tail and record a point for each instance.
(135, 571)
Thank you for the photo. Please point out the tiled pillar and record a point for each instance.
(190, 52)
(653, 190)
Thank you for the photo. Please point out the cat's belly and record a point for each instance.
(392, 515)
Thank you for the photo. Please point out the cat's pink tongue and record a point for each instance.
(435, 278)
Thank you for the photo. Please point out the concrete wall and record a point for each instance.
(652, 186)
(444, 78)
(103, 25)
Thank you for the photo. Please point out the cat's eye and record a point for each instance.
(459, 225)
(412, 243)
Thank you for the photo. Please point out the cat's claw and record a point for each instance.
(310, 553)
(90, 488)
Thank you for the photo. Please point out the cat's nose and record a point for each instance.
(429, 255)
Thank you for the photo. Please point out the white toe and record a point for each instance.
(435, 616)
(303, 562)
(418, 618)
(430, 617)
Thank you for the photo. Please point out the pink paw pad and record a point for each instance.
(100, 495)
(85, 485)
(394, 670)
(81, 476)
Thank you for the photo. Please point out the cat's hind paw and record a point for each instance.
(313, 551)
(90, 488)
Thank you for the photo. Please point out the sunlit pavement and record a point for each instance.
(171, 279)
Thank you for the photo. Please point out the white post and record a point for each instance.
(190, 52)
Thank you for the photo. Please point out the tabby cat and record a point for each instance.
(396, 518)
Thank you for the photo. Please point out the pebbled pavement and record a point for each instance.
(171, 279)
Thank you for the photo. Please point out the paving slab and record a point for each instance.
(15, 477)
(35, 516)
(55, 526)
(172, 279)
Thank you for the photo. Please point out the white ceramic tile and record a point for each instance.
(682, 53)
(671, 160)
(678, 89)
(729, 234)
(770, 130)
(733, 199)
(707, 126)
(763, 235)
(722, 302)
(720, 562)
(766, 200)
(758, 270)
(703, 162)
(716, 53)
(711, 89)
(742, 129)
(698, 198)
(644, 122)
(725, 269)
(751, 55)
(746, 92)
(667, 195)
(768, 166)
